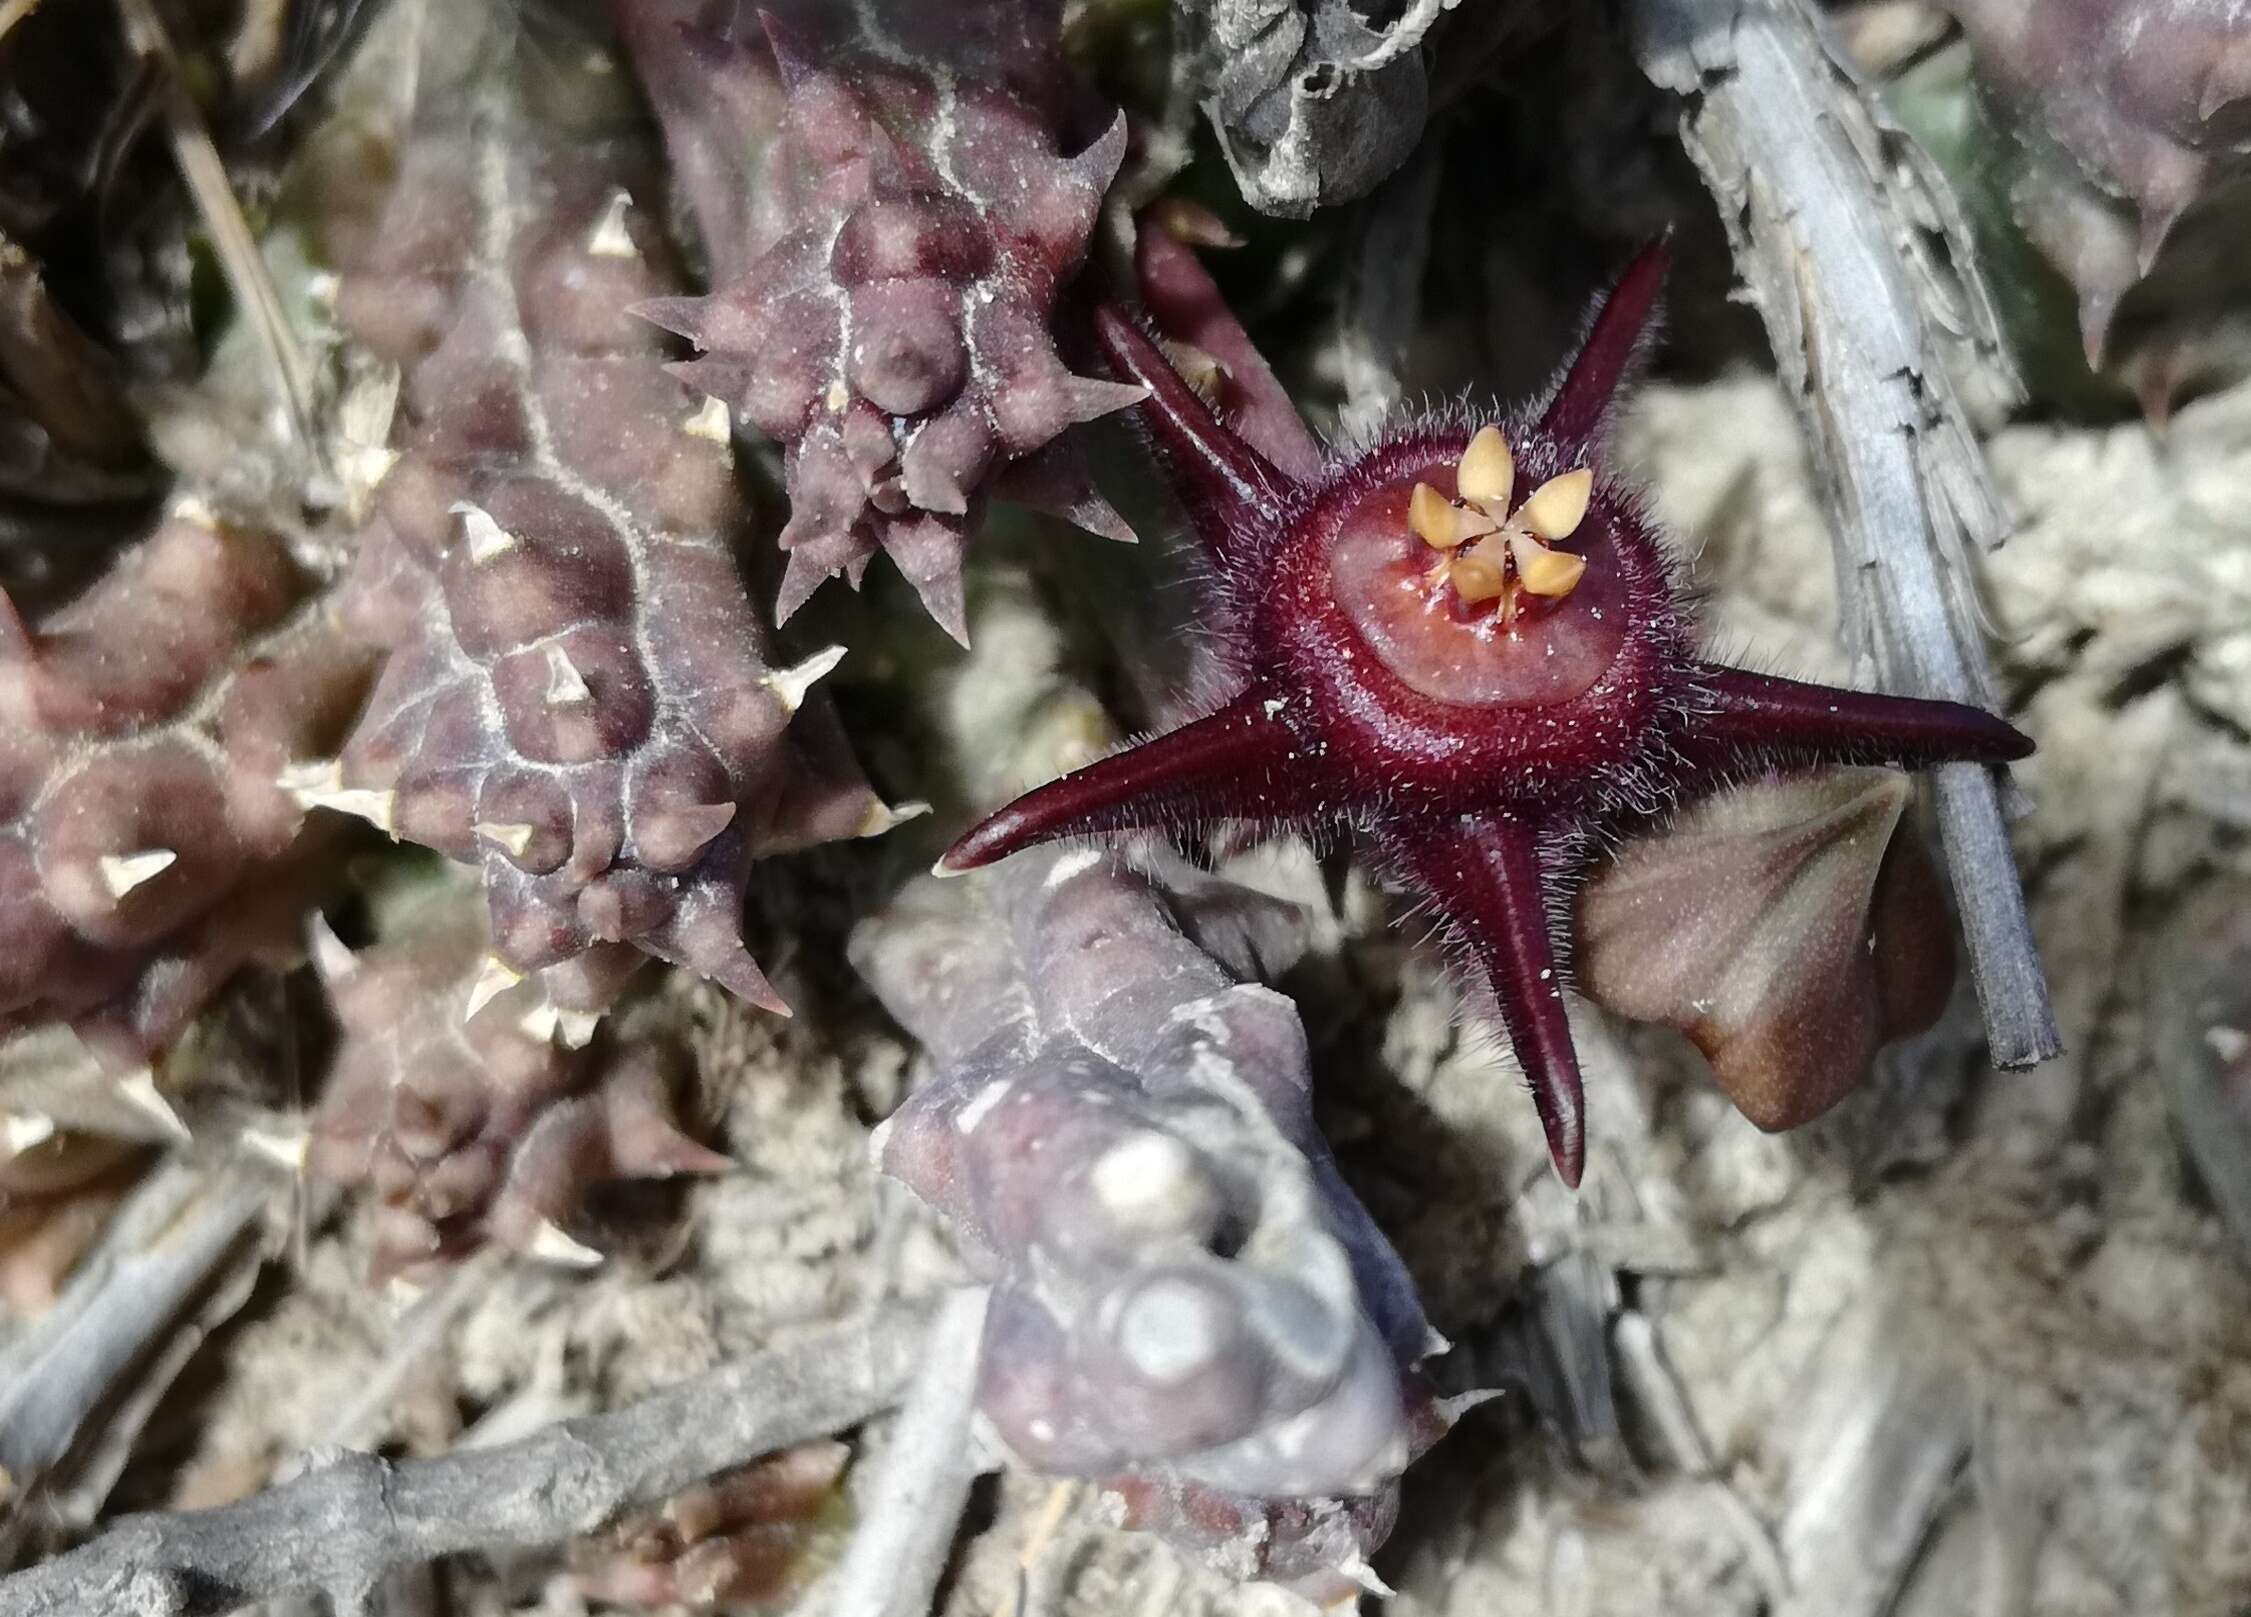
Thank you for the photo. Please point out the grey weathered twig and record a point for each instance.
(1873, 1452)
(913, 1507)
(342, 1526)
(1646, 1372)
(205, 174)
(77, 1388)
(1827, 208)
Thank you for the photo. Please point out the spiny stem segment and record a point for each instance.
(1234, 764)
(912, 192)
(1483, 874)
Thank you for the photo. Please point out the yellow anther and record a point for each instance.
(1553, 573)
(1432, 515)
(1557, 507)
(1518, 563)
(1477, 579)
(1488, 471)
(1472, 522)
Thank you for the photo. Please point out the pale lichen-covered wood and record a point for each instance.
(1830, 208)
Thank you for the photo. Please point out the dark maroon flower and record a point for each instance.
(1469, 642)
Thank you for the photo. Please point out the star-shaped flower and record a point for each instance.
(1479, 720)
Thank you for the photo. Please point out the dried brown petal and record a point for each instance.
(746, 1540)
(1790, 926)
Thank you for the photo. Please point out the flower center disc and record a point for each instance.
(1393, 587)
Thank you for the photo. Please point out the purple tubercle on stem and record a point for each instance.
(893, 196)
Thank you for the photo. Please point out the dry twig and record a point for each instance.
(205, 174)
(914, 1505)
(346, 1523)
(77, 1388)
(1829, 210)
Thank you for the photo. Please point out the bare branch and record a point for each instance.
(205, 174)
(77, 1388)
(1828, 208)
(342, 1526)
(1873, 1455)
(914, 1506)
